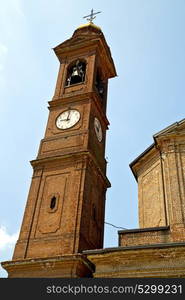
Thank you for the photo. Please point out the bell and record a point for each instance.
(75, 72)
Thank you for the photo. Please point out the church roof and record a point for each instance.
(88, 26)
(171, 129)
(177, 128)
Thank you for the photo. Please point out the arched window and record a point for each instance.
(76, 72)
(99, 84)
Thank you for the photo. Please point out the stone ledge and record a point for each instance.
(135, 247)
(143, 229)
(146, 261)
(65, 266)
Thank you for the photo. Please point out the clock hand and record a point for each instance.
(68, 116)
(64, 119)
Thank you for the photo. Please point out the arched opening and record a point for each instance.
(76, 72)
(99, 84)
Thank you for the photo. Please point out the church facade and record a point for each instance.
(63, 225)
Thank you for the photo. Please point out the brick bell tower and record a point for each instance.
(64, 214)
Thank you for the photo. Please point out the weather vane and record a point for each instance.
(91, 17)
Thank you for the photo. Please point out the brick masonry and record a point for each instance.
(64, 214)
(63, 223)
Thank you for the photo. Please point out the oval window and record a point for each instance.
(53, 202)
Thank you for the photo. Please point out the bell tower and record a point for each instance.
(64, 214)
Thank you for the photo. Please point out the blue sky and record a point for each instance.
(147, 42)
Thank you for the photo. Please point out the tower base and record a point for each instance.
(66, 266)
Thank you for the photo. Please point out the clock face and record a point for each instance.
(67, 119)
(98, 129)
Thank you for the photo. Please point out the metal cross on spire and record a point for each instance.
(91, 17)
